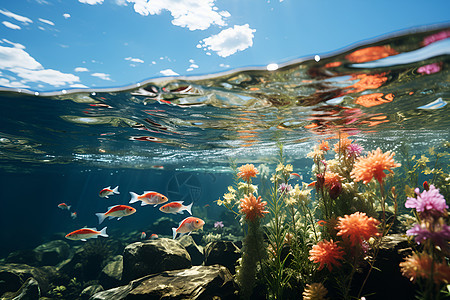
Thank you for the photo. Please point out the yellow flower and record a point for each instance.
(242, 186)
(315, 291)
(231, 189)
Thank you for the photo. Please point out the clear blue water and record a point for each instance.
(177, 136)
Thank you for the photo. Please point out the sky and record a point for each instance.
(57, 45)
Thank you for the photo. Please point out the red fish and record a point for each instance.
(86, 233)
(104, 193)
(143, 235)
(187, 226)
(154, 236)
(312, 184)
(64, 206)
(74, 215)
(321, 223)
(117, 211)
(148, 198)
(296, 174)
(176, 207)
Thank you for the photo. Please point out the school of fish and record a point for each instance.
(119, 211)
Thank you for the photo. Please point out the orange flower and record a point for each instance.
(357, 227)
(331, 178)
(253, 208)
(326, 252)
(373, 165)
(324, 146)
(422, 265)
(247, 171)
(342, 146)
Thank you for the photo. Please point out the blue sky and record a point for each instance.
(51, 45)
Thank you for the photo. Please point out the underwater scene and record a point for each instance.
(322, 178)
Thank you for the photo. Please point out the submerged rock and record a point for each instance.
(12, 276)
(111, 274)
(90, 290)
(224, 253)
(198, 282)
(153, 256)
(28, 291)
(195, 251)
(52, 253)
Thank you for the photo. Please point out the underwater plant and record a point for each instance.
(429, 267)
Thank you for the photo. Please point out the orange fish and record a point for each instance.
(64, 206)
(86, 233)
(312, 184)
(154, 236)
(104, 193)
(187, 226)
(74, 215)
(117, 211)
(176, 207)
(321, 223)
(292, 176)
(148, 198)
(143, 235)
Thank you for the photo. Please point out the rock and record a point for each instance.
(52, 253)
(12, 276)
(198, 282)
(28, 291)
(111, 274)
(224, 253)
(195, 251)
(91, 290)
(153, 256)
(27, 257)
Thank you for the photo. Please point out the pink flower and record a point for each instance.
(427, 202)
(439, 234)
(442, 35)
(429, 69)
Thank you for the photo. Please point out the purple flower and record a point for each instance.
(428, 201)
(354, 150)
(218, 224)
(429, 69)
(439, 236)
(284, 188)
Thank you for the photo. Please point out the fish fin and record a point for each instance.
(84, 240)
(111, 207)
(134, 197)
(144, 203)
(188, 208)
(174, 232)
(68, 207)
(116, 190)
(119, 218)
(155, 205)
(106, 197)
(103, 232)
(110, 217)
(101, 217)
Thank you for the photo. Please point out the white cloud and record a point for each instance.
(13, 84)
(189, 69)
(229, 41)
(15, 16)
(121, 2)
(49, 76)
(193, 14)
(66, 16)
(11, 25)
(78, 85)
(81, 69)
(46, 22)
(168, 72)
(16, 60)
(224, 66)
(15, 45)
(137, 60)
(101, 76)
(91, 2)
(194, 66)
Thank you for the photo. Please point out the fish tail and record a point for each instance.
(68, 207)
(101, 217)
(188, 208)
(116, 190)
(174, 231)
(134, 197)
(103, 232)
